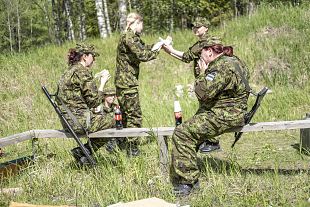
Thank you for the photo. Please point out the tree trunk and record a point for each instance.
(172, 9)
(69, 21)
(8, 10)
(57, 25)
(101, 20)
(251, 7)
(122, 10)
(18, 27)
(82, 20)
(106, 15)
(48, 20)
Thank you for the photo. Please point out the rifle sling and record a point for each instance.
(244, 80)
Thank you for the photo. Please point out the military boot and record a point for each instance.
(80, 157)
(208, 146)
(111, 145)
(185, 189)
(133, 149)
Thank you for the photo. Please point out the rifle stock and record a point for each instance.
(248, 117)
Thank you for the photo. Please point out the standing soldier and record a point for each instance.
(131, 51)
(78, 94)
(221, 88)
(200, 28)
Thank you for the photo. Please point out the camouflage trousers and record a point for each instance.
(187, 137)
(131, 110)
(99, 122)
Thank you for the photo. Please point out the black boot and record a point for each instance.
(80, 157)
(185, 189)
(208, 146)
(111, 145)
(133, 149)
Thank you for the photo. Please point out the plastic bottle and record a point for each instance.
(118, 118)
(177, 113)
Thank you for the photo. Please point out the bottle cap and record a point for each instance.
(177, 106)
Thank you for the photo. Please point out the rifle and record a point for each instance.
(66, 123)
(248, 116)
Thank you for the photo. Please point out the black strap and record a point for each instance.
(244, 80)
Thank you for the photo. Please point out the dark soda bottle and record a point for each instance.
(178, 118)
(118, 118)
(177, 113)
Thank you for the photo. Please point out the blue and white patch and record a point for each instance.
(210, 76)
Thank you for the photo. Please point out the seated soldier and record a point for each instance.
(78, 94)
(222, 93)
(106, 108)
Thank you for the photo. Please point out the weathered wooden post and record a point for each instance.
(305, 138)
(163, 154)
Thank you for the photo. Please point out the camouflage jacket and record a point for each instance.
(79, 93)
(222, 90)
(131, 51)
(192, 54)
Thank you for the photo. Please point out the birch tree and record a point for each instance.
(106, 15)
(122, 10)
(67, 6)
(8, 10)
(82, 24)
(101, 19)
(57, 23)
(18, 27)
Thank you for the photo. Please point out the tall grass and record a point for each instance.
(264, 169)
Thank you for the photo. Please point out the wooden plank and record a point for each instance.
(51, 133)
(133, 132)
(16, 138)
(273, 126)
(156, 131)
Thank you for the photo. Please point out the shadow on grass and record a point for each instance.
(229, 167)
(301, 150)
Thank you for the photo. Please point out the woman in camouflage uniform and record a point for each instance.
(131, 51)
(78, 94)
(223, 96)
(200, 28)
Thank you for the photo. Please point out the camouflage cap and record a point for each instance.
(199, 22)
(213, 40)
(84, 48)
(109, 91)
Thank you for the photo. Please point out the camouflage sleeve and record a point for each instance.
(142, 52)
(213, 82)
(88, 88)
(192, 53)
(189, 56)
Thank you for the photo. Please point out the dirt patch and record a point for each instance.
(274, 32)
(271, 70)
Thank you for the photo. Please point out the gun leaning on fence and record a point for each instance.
(64, 120)
(248, 117)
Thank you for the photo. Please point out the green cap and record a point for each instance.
(213, 40)
(199, 22)
(84, 48)
(109, 91)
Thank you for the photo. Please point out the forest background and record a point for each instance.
(31, 23)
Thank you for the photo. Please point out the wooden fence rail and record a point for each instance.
(160, 132)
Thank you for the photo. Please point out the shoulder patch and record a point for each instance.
(211, 76)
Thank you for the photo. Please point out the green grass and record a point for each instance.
(264, 169)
